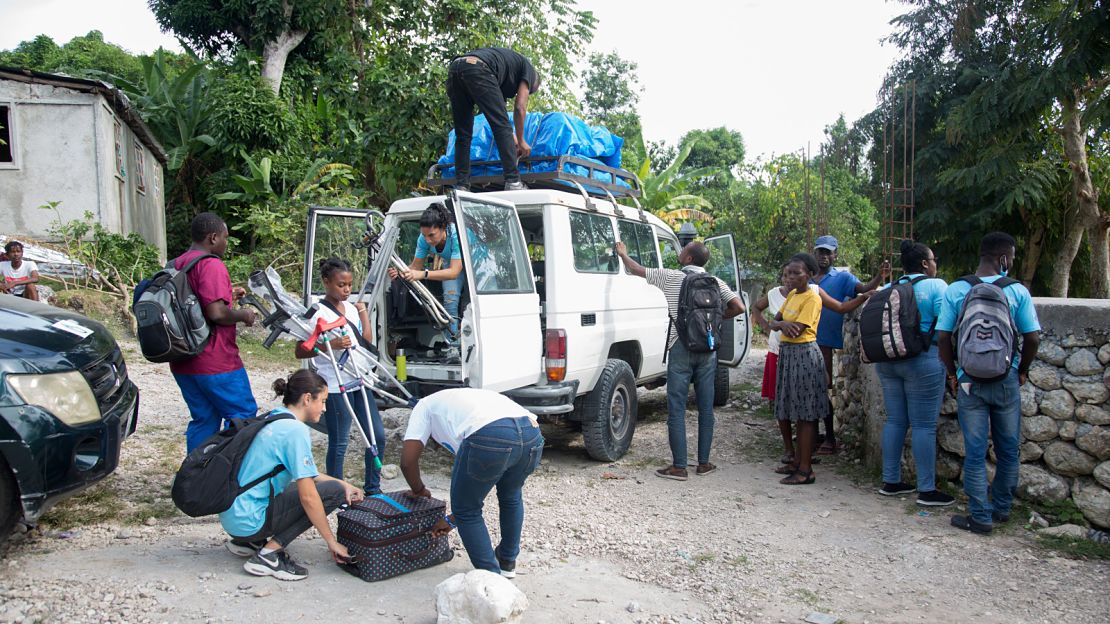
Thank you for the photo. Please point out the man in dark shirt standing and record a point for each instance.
(487, 77)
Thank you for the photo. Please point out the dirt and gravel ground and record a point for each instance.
(602, 542)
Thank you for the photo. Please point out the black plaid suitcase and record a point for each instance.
(390, 534)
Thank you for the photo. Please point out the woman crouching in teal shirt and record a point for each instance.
(260, 527)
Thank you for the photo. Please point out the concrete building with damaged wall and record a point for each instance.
(81, 143)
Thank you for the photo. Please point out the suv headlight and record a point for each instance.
(65, 395)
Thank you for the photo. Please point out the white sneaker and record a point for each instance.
(276, 564)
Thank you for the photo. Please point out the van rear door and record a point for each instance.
(501, 341)
(333, 232)
(737, 331)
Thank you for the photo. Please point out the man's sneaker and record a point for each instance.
(242, 548)
(896, 489)
(276, 564)
(670, 472)
(706, 468)
(935, 498)
(515, 185)
(967, 523)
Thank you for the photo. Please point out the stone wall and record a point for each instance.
(1065, 408)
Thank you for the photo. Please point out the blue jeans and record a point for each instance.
(337, 419)
(503, 453)
(913, 391)
(213, 399)
(684, 368)
(452, 292)
(993, 408)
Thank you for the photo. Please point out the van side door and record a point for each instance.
(501, 344)
(736, 332)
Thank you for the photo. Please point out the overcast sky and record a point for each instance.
(776, 70)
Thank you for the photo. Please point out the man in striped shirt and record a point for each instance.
(684, 367)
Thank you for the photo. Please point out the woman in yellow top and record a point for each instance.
(800, 388)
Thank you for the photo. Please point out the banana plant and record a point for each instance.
(666, 194)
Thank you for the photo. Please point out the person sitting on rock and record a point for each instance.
(266, 518)
(496, 442)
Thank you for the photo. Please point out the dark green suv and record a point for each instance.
(66, 405)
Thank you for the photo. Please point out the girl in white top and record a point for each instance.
(495, 442)
(337, 278)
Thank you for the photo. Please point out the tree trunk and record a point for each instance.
(1088, 218)
(1034, 246)
(276, 52)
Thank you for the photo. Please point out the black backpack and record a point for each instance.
(208, 481)
(698, 325)
(890, 324)
(169, 316)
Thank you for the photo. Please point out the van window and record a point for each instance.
(593, 240)
(669, 250)
(640, 241)
(498, 255)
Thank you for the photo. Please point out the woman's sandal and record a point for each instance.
(786, 469)
(787, 458)
(799, 478)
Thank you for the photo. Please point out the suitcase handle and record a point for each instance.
(421, 554)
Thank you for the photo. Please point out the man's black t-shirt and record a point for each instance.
(510, 68)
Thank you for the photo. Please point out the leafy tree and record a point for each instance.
(271, 29)
(612, 91)
(717, 147)
(996, 80)
(85, 57)
(667, 193)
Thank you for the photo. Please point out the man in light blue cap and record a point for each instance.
(842, 286)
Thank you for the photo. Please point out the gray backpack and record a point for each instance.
(986, 334)
(169, 316)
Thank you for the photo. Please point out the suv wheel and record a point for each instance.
(720, 386)
(609, 413)
(9, 501)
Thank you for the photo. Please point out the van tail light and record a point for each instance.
(555, 354)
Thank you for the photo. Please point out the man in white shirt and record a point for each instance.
(495, 442)
(19, 275)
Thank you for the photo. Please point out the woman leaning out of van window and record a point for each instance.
(262, 527)
(439, 258)
(337, 278)
(913, 389)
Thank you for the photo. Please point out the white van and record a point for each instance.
(550, 316)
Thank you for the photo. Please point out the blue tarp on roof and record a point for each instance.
(549, 134)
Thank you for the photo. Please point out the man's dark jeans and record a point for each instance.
(286, 518)
(469, 84)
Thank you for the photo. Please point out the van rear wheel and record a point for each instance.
(720, 386)
(609, 413)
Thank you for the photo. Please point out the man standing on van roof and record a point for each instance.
(842, 286)
(684, 367)
(487, 77)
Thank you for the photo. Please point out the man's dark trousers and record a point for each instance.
(474, 83)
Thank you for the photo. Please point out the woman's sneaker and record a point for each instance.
(508, 568)
(243, 548)
(896, 489)
(276, 564)
(936, 498)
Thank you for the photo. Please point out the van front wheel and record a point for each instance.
(609, 413)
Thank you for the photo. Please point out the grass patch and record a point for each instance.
(807, 597)
(1075, 548)
(740, 561)
(99, 503)
(1065, 512)
(100, 306)
(255, 355)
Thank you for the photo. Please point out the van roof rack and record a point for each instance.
(559, 179)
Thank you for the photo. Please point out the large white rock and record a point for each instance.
(1083, 362)
(1039, 485)
(1093, 500)
(1058, 404)
(479, 597)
